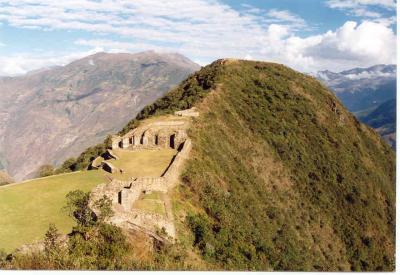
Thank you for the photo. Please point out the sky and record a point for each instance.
(307, 35)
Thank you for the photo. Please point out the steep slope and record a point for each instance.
(50, 115)
(281, 176)
(362, 90)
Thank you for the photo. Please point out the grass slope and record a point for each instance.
(28, 208)
(146, 163)
(281, 175)
(287, 178)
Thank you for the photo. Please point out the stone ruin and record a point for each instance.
(123, 194)
(188, 113)
(158, 134)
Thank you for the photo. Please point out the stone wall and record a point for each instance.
(159, 134)
(108, 167)
(143, 221)
(171, 176)
(192, 112)
(123, 195)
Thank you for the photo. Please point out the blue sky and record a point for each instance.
(308, 35)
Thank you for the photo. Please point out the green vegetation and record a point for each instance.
(85, 158)
(45, 171)
(184, 96)
(152, 206)
(94, 245)
(142, 163)
(151, 203)
(281, 177)
(189, 92)
(287, 178)
(28, 208)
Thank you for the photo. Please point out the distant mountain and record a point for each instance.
(383, 119)
(369, 93)
(361, 89)
(49, 115)
(280, 177)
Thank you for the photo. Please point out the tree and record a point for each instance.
(45, 170)
(104, 207)
(78, 208)
(52, 244)
(68, 166)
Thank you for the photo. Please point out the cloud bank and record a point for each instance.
(203, 30)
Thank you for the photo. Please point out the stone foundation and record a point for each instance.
(123, 194)
(162, 134)
(192, 112)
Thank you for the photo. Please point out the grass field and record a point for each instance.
(147, 163)
(151, 203)
(28, 208)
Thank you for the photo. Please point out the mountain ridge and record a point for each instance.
(279, 164)
(286, 163)
(280, 176)
(364, 90)
(56, 105)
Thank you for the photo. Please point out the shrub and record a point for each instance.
(45, 171)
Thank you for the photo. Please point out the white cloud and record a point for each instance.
(352, 45)
(366, 44)
(387, 21)
(203, 30)
(285, 16)
(14, 65)
(344, 4)
(364, 8)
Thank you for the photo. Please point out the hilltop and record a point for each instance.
(52, 114)
(283, 177)
(280, 176)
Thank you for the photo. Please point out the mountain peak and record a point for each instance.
(277, 163)
(146, 57)
(58, 103)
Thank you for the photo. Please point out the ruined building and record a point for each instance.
(163, 132)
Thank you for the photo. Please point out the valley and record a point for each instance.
(68, 108)
(241, 161)
(370, 93)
